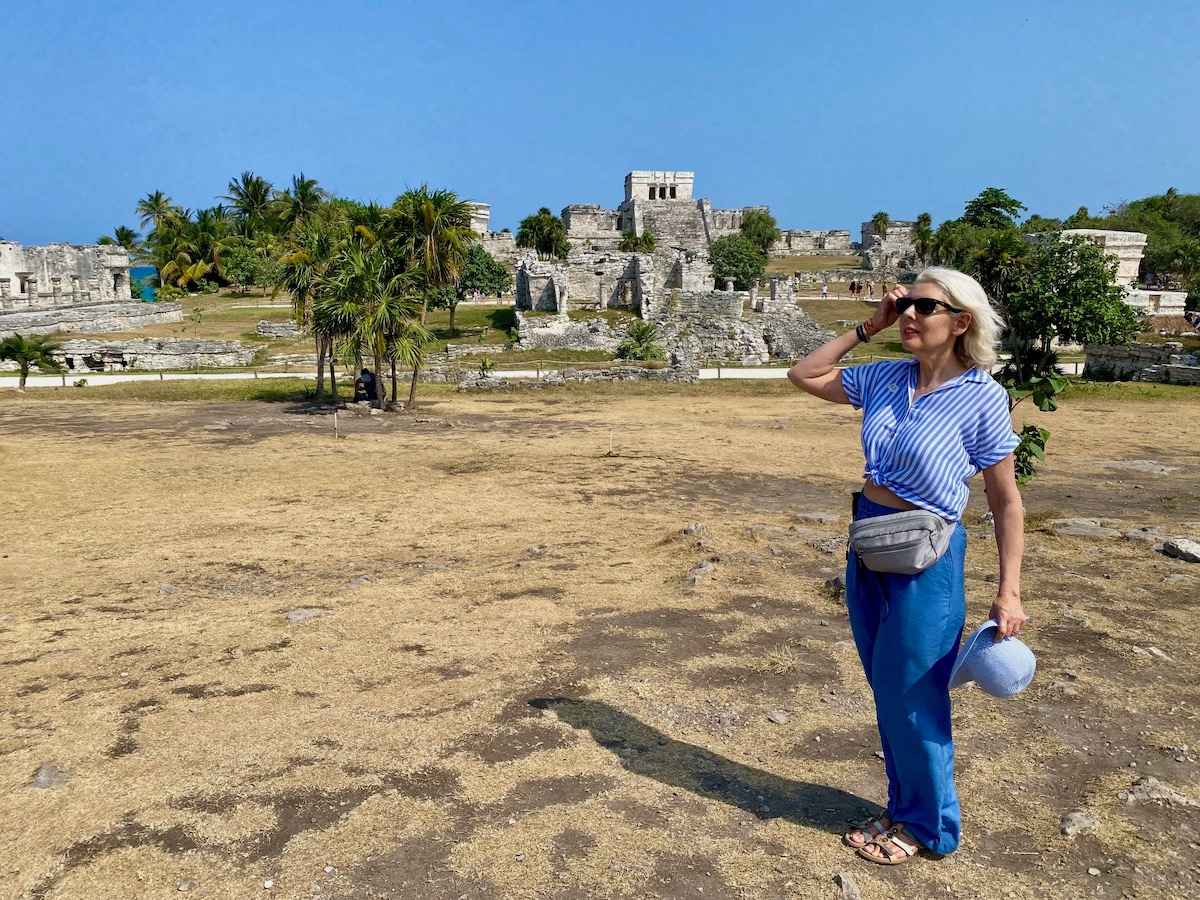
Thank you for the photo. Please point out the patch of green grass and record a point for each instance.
(786, 265)
(1126, 390)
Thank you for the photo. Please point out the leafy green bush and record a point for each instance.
(631, 243)
(735, 256)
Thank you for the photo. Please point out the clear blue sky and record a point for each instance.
(827, 112)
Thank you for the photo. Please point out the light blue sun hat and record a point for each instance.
(1001, 668)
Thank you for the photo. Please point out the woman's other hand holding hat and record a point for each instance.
(1008, 614)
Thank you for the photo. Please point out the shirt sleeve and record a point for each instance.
(854, 383)
(994, 437)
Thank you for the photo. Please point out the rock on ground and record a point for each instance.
(1151, 790)
(1182, 548)
(1081, 528)
(1077, 822)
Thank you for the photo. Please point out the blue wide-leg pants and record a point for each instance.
(907, 629)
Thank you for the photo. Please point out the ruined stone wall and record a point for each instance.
(1125, 247)
(584, 220)
(502, 246)
(62, 275)
(654, 185)
(562, 333)
(1142, 362)
(94, 318)
(809, 242)
(154, 355)
(541, 285)
(601, 278)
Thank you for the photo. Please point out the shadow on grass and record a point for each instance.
(648, 752)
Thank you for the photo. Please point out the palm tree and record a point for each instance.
(879, 225)
(923, 237)
(432, 232)
(183, 271)
(301, 200)
(250, 196)
(301, 272)
(545, 233)
(29, 352)
(641, 342)
(153, 208)
(367, 309)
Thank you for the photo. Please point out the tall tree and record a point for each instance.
(922, 237)
(29, 352)
(544, 233)
(122, 236)
(735, 257)
(993, 208)
(481, 274)
(879, 225)
(250, 196)
(153, 208)
(301, 200)
(431, 229)
(301, 273)
(759, 228)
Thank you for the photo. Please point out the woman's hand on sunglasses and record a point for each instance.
(886, 315)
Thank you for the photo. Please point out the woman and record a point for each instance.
(930, 423)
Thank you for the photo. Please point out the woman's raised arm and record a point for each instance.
(817, 373)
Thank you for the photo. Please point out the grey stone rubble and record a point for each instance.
(1077, 822)
(1150, 790)
(168, 353)
(285, 329)
(847, 886)
(474, 381)
(1163, 363)
(72, 287)
(49, 775)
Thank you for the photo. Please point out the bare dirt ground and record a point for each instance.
(460, 657)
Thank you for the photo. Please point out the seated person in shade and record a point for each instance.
(365, 386)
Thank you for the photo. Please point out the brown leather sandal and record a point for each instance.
(893, 847)
(867, 832)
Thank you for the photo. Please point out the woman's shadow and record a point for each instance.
(647, 751)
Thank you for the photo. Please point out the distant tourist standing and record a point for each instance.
(930, 423)
(824, 290)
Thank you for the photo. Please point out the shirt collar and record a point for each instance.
(973, 374)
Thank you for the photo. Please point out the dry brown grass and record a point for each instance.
(507, 689)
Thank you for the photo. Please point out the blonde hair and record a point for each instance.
(976, 347)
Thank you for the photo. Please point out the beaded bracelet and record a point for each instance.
(861, 332)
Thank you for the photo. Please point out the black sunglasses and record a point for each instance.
(925, 305)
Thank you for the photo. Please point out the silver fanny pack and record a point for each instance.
(901, 543)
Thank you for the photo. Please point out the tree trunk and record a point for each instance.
(453, 307)
(320, 345)
(380, 393)
(412, 388)
(392, 402)
(21, 380)
(333, 380)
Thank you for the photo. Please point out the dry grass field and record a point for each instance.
(457, 654)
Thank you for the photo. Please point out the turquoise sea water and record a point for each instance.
(137, 273)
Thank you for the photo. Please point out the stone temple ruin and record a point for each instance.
(672, 286)
(71, 287)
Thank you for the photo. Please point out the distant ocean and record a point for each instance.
(137, 273)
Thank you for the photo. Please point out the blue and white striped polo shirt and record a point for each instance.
(926, 451)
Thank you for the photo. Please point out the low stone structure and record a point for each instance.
(1164, 363)
(153, 355)
(71, 287)
(1125, 248)
(285, 329)
(563, 333)
(810, 242)
(478, 382)
(892, 251)
(103, 317)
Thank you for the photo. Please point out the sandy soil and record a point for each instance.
(495, 681)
